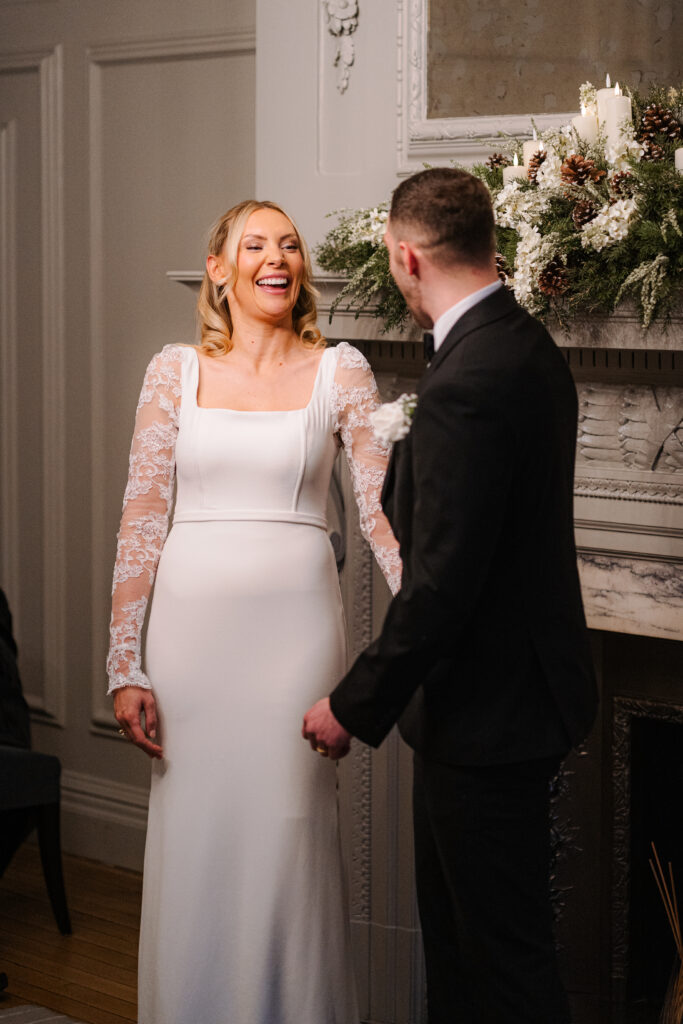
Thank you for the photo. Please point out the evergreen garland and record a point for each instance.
(633, 247)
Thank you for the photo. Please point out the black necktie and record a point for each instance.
(428, 342)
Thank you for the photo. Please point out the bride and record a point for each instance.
(243, 918)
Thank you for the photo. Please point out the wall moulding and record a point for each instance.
(420, 138)
(48, 705)
(103, 819)
(103, 800)
(192, 47)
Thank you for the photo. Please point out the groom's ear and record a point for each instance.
(410, 258)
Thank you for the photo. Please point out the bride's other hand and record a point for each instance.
(324, 733)
(130, 703)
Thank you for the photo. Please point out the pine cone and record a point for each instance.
(659, 120)
(498, 160)
(583, 212)
(653, 152)
(534, 164)
(576, 170)
(554, 279)
(621, 184)
(504, 272)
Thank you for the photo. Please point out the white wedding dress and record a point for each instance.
(244, 917)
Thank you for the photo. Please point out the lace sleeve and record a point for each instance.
(354, 397)
(144, 523)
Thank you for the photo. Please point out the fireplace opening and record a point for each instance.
(656, 815)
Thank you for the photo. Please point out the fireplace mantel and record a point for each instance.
(622, 330)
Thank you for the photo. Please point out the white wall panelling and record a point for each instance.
(196, 65)
(334, 149)
(9, 426)
(97, 815)
(45, 680)
(337, 109)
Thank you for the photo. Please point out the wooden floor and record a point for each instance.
(90, 975)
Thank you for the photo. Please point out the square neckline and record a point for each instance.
(256, 412)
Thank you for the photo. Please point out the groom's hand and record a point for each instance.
(325, 734)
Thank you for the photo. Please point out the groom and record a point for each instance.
(483, 658)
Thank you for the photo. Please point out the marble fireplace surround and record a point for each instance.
(629, 468)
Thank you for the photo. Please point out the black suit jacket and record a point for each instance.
(484, 653)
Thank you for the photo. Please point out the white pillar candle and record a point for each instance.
(678, 159)
(530, 147)
(603, 96)
(514, 171)
(618, 110)
(586, 126)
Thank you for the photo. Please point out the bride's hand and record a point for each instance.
(130, 702)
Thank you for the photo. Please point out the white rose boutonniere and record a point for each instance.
(391, 422)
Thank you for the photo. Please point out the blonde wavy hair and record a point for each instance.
(213, 309)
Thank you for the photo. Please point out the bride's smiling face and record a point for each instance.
(270, 267)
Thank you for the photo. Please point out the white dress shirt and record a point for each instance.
(448, 319)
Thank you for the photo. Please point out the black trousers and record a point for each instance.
(482, 846)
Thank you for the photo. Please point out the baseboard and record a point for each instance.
(104, 820)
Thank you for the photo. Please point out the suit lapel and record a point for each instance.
(495, 307)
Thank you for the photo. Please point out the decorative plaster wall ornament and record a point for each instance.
(342, 22)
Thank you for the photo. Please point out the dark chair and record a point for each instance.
(29, 781)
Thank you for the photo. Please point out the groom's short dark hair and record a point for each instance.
(449, 211)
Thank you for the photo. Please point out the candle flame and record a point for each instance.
(515, 161)
(541, 146)
(583, 110)
(617, 90)
(608, 83)
(535, 135)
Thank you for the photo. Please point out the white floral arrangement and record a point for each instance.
(589, 223)
(391, 421)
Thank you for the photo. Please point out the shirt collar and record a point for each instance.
(447, 320)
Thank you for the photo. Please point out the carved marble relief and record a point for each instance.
(342, 22)
(637, 428)
(640, 427)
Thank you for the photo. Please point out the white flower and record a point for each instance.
(610, 225)
(534, 252)
(391, 421)
(529, 261)
(549, 175)
(371, 225)
(619, 154)
(513, 207)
